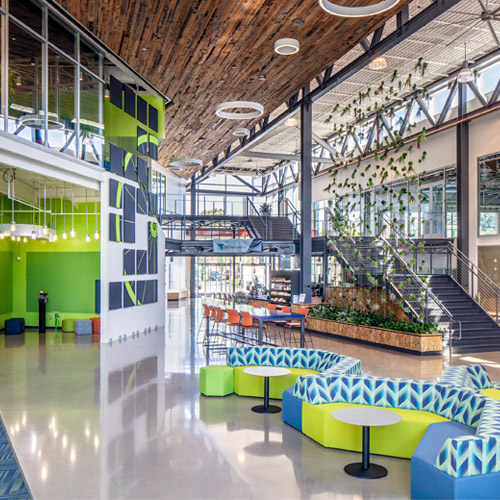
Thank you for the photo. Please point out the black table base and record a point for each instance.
(365, 469)
(266, 407)
(374, 471)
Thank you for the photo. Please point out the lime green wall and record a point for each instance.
(121, 128)
(66, 269)
(5, 282)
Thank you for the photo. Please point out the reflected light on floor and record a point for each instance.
(44, 473)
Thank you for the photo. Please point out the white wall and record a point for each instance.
(126, 321)
(484, 133)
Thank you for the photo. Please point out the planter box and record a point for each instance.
(420, 343)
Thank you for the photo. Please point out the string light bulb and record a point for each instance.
(72, 232)
(33, 235)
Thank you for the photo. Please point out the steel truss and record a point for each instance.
(327, 80)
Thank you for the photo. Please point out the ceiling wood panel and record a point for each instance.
(201, 53)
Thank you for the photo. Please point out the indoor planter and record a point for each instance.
(415, 342)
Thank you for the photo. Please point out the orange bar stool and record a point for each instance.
(296, 324)
(205, 315)
(233, 319)
(271, 307)
(280, 325)
(258, 305)
(247, 325)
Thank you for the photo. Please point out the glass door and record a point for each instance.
(432, 211)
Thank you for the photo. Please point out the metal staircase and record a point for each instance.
(468, 294)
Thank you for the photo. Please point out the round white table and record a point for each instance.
(366, 417)
(266, 372)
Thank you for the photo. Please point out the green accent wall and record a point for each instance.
(121, 128)
(68, 278)
(6, 303)
(66, 269)
(5, 282)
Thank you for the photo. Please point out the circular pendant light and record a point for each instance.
(366, 11)
(378, 63)
(255, 108)
(286, 46)
(186, 163)
(240, 132)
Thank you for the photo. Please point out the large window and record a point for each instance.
(489, 195)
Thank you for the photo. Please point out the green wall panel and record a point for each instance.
(68, 278)
(5, 282)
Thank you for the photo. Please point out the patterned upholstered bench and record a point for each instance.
(465, 458)
(301, 362)
(473, 376)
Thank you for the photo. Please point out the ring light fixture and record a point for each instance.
(240, 132)
(286, 46)
(186, 162)
(366, 11)
(255, 108)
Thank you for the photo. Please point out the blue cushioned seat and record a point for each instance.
(14, 326)
(292, 409)
(428, 482)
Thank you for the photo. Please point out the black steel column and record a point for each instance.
(462, 173)
(305, 198)
(192, 260)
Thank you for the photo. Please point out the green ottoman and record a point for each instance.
(68, 325)
(216, 380)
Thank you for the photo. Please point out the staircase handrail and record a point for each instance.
(425, 290)
(462, 262)
(292, 208)
(481, 277)
(254, 208)
(417, 279)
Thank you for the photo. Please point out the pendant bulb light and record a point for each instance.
(64, 234)
(96, 234)
(466, 74)
(72, 232)
(13, 222)
(87, 237)
(45, 230)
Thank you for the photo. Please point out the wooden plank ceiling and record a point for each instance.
(204, 52)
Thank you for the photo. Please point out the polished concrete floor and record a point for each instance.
(126, 421)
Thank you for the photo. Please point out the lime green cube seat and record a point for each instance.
(68, 325)
(216, 380)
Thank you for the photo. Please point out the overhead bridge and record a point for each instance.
(194, 235)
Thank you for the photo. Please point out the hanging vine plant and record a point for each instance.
(379, 118)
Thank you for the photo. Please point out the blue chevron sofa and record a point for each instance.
(473, 376)
(299, 361)
(451, 434)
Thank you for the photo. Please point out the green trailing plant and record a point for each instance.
(357, 182)
(362, 318)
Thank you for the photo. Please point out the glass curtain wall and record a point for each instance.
(424, 208)
(489, 195)
(53, 81)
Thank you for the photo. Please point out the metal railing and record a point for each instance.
(454, 263)
(253, 212)
(380, 263)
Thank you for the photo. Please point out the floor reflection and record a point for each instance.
(126, 420)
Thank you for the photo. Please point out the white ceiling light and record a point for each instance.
(465, 75)
(368, 10)
(286, 46)
(37, 120)
(186, 162)
(378, 63)
(255, 108)
(291, 122)
(240, 132)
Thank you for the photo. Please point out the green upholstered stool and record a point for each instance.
(216, 380)
(68, 325)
